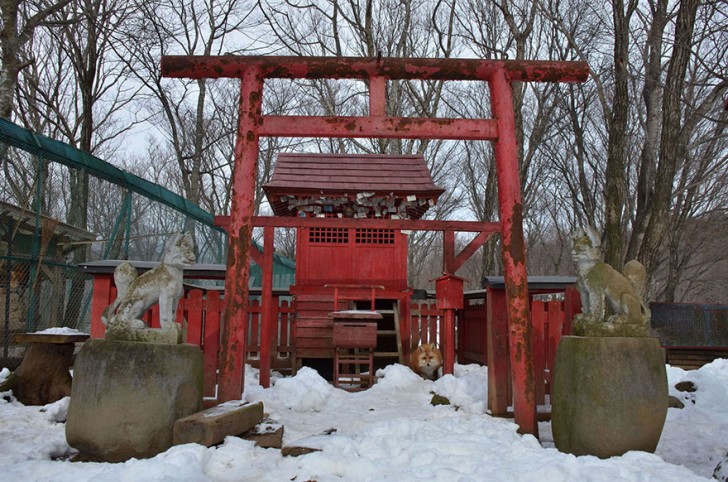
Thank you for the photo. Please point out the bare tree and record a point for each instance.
(183, 110)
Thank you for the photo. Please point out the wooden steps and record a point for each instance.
(314, 328)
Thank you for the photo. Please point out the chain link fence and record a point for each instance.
(54, 217)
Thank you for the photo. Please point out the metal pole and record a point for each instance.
(232, 356)
(514, 256)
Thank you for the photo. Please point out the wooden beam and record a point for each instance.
(377, 96)
(470, 250)
(367, 223)
(281, 67)
(379, 127)
(267, 324)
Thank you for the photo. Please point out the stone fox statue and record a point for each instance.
(135, 294)
(599, 284)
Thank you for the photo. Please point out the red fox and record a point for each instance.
(426, 360)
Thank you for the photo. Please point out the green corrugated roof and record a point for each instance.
(51, 149)
(63, 153)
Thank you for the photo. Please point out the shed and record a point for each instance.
(351, 261)
(33, 263)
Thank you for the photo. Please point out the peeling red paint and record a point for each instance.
(234, 66)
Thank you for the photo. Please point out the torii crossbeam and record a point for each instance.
(252, 124)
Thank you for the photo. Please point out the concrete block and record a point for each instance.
(126, 397)
(211, 426)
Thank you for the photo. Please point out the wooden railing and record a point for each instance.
(203, 311)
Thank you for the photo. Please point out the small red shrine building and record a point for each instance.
(347, 266)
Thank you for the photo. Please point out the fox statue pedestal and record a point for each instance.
(126, 397)
(609, 395)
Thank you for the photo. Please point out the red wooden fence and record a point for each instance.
(203, 312)
(425, 324)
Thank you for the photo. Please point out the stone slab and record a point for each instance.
(126, 397)
(211, 426)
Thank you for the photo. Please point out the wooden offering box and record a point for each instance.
(355, 329)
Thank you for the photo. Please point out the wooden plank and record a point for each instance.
(539, 317)
(211, 342)
(103, 295)
(498, 365)
(290, 67)
(307, 352)
(194, 317)
(556, 323)
(351, 127)
(367, 223)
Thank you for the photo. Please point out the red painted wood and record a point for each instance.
(396, 224)
(472, 332)
(236, 66)
(498, 366)
(448, 342)
(572, 306)
(253, 341)
(194, 314)
(211, 342)
(405, 324)
(475, 244)
(268, 324)
(152, 317)
(540, 319)
(103, 295)
(379, 127)
(240, 234)
(557, 322)
(514, 255)
(285, 334)
(377, 96)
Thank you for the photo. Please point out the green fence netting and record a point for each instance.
(46, 231)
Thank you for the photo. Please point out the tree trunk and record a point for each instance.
(670, 149)
(615, 185)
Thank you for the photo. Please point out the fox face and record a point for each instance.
(426, 360)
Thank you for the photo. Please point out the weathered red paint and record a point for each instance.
(268, 324)
(396, 224)
(240, 234)
(234, 66)
(377, 96)
(379, 127)
(514, 256)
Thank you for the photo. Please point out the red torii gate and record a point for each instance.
(252, 124)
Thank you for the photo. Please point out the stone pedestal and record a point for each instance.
(610, 395)
(126, 397)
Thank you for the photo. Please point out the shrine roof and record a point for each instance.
(398, 176)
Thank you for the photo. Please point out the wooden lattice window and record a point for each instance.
(374, 236)
(329, 235)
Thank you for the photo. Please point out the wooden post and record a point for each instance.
(232, 357)
(103, 295)
(514, 255)
(497, 339)
(267, 324)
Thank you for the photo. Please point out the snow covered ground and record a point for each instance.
(388, 433)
